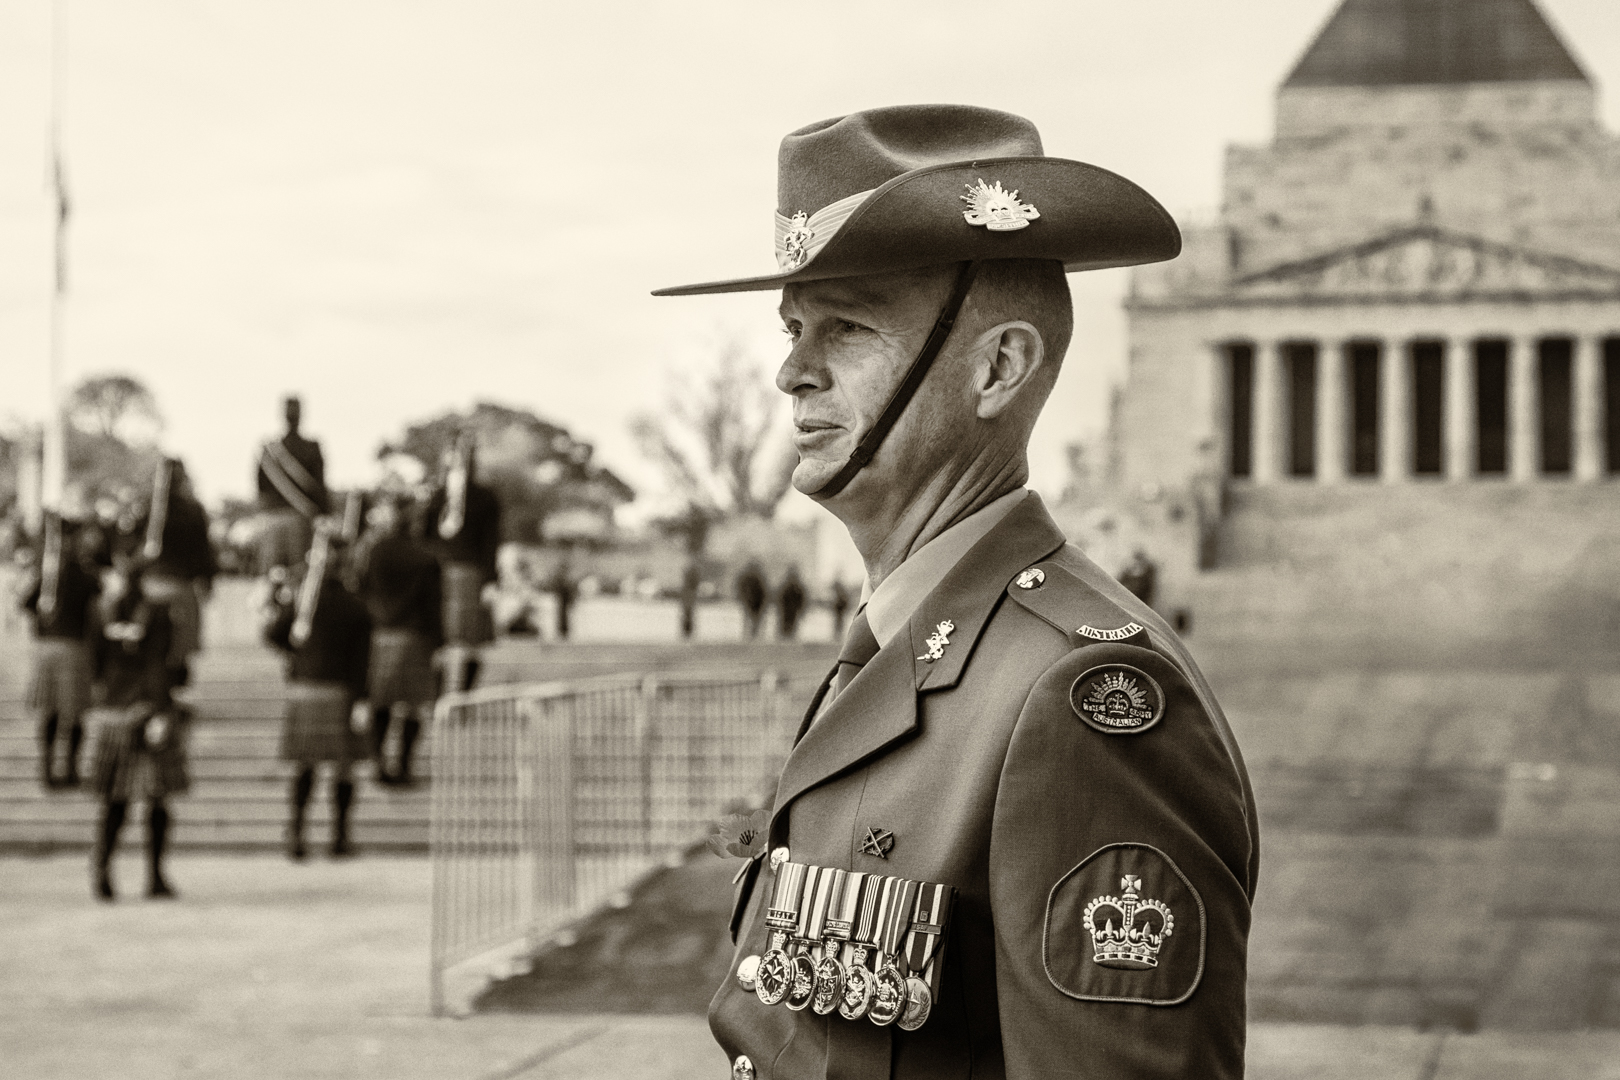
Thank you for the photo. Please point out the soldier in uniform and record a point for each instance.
(141, 740)
(325, 632)
(292, 492)
(1015, 836)
(60, 597)
(463, 520)
(179, 562)
(400, 584)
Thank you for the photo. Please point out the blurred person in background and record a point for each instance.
(291, 482)
(564, 590)
(179, 562)
(789, 604)
(325, 634)
(1141, 577)
(463, 522)
(400, 584)
(59, 594)
(751, 591)
(840, 605)
(691, 578)
(142, 732)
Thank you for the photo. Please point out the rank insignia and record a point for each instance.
(1131, 930)
(997, 209)
(1117, 699)
(878, 842)
(1032, 578)
(937, 641)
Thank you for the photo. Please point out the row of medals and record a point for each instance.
(802, 971)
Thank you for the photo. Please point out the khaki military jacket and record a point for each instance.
(1058, 760)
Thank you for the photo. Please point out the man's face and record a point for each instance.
(853, 339)
(294, 412)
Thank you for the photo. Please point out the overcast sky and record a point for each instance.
(396, 207)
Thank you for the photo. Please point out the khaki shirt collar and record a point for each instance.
(890, 605)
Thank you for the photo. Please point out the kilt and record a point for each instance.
(179, 596)
(467, 620)
(316, 725)
(60, 681)
(284, 538)
(128, 768)
(401, 668)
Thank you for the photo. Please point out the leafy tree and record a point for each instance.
(537, 468)
(115, 407)
(719, 442)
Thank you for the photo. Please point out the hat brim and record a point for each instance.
(1090, 219)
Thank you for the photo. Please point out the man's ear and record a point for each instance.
(1013, 356)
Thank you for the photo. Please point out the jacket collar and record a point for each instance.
(879, 707)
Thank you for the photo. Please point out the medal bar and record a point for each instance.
(922, 957)
(774, 977)
(857, 995)
(844, 895)
(812, 919)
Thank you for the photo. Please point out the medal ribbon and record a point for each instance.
(927, 926)
(814, 917)
(788, 897)
(847, 886)
(899, 917)
(871, 900)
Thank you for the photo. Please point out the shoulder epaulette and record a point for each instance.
(1087, 617)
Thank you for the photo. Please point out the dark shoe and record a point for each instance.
(342, 799)
(103, 889)
(160, 890)
(296, 850)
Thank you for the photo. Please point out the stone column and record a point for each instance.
(1459, 417)
(1587, 378)
(1332, 438)
(1267, 412)
(1395, 414)
(1524, 434)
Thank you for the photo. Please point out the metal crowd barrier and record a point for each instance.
(550, 799)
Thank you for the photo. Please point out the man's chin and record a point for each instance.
(810, 475)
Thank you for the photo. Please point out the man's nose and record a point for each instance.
(801, 372)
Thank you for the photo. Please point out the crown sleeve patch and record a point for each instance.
(1125, 925)
(1117, 699)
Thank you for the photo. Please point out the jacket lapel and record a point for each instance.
(879, 707)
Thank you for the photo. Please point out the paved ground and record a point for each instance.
(267, 970)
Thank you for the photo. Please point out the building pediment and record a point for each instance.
(1426, 262)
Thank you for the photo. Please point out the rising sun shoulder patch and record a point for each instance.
(1117, 699)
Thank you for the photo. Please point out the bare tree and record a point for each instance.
(115, 407)
(719, 440)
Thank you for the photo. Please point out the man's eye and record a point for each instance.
(849, 327)
(791, 331)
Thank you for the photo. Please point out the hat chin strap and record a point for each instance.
(867, 448)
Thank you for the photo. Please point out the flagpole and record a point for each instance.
(53, 472)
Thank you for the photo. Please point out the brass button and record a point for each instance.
(748, 973)
(742, 1068)
(778, 857)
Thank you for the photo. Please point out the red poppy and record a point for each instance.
(742, 835)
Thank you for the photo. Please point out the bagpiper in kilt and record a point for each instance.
(326, 636)
(60, 597)
(291, 483)
(401, 585)
(463, 522)
(141, 733)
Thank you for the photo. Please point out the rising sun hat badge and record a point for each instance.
(997, 209)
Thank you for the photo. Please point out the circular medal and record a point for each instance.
(857, 994)
(888, 996)
(802, 970)
(829, 985)
(919, 1003)
(748, 973)
(774, 977)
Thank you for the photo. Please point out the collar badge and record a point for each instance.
(937, 641)
(1032, 578)
(996, 208)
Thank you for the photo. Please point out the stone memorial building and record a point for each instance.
(1417, 279)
